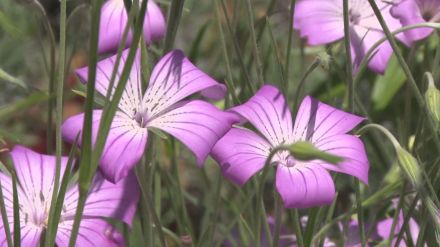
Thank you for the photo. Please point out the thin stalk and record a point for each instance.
(229, 81)
(311, 221)
(59, 109)
(298, 229)
(298, 91)
(255, 51)
(16, 206)
(237, 51)
(52, 69)
(289, 44)
(436, 63)
(396, 214)
(283, 82)
(278, 214)
(5, 217)
(173, 23)
(420, 99)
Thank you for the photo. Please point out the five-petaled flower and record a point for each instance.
(411, 12)
(114, 18)
(241, 153)
(196, 123)
(36, 174)
(322, 22)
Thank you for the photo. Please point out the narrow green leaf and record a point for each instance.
(16, 206)
(5, 217)
(22, 104)
(386, 86)
(11, 79)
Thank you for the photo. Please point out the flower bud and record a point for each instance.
(304, 150)
(432, 97)
(409, 165)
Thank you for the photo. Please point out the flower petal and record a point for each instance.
(303, 186)
(316, 120)
(268, 112)
(241, 153)
(174, 78)
(125, 137)
(105, 199)
(114, 19)
(132, 95)
(351, 149)
(35, 173)
(409, 13)
(92, 232)
(320, 21)
(198, 124)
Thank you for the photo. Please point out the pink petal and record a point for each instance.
(198, 124)
(35, 172)
(114, 19)
(268, 112)
(384, 229)
(241, 153)
(320, 21)
(174, 78)
(351, 149)
(303, 186)
(132, 95)
(125, 137)
(316, 120)
(409, 13)
(106, 199)
(92, 232)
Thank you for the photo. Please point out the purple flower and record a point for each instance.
(322, 22)
(242, 152)
(114, 19)
(36, 173)
(196, 123)
(384, 229)
(411, 12)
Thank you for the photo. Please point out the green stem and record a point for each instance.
(278, 214)
(298, 229)
(173, 23)
(255, 51)
(289, 44)
(5, 217)
(420, 100)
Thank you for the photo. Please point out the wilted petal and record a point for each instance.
(241, 153)
(92, 232)
(132, 95)
(114, 19)
(105, 199)
(125, 137)
(198, 124)
(319, 21)
(351, 149)
(268, 112)
(316, 120)
(303, 186)
(174, 78)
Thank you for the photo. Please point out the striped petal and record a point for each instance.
(316, 120)
(114, 19)
(198, 124)
(241, 153)
(351, 149)
(175, 78)
(132, 95)
(320, 21)
(303, 186)
(30, 236)
(105, 199)
(125, 137)
(92, 233)
(268, 112)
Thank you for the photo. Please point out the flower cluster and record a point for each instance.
(241, 150)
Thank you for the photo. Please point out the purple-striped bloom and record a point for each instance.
(114, 19)
(196, 123)
(322, 22)
(411, 12)
(241, 153)
(384, 229)
(36, 174)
